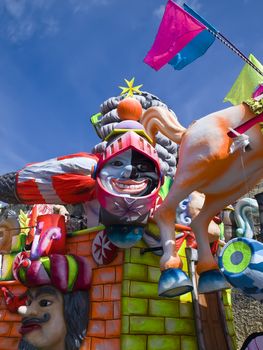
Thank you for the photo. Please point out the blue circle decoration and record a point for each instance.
(124, 236)
(236, 257)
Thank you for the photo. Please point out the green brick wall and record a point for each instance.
(148, 321)
(226, 294)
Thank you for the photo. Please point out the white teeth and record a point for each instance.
(133, 187)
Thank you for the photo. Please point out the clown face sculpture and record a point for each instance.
(129, 176)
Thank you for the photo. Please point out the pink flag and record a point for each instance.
(176, 30)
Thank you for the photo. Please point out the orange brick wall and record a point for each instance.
(9, 322)
(105, 302)
(105, 296)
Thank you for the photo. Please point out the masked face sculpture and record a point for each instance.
(129, 174)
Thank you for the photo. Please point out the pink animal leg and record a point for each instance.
(165, 219)
(173, 280)
(211, 279)
(199, 225)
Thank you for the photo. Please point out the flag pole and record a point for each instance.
(221, 37)
(232, 47)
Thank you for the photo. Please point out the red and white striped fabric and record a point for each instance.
(62, 180)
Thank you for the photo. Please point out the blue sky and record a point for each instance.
(59, 60)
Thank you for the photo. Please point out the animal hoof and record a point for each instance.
(174, 282)
(211, 281)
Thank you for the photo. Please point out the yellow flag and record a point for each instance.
(246, 83)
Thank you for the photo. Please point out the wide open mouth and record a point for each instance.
(129, 186)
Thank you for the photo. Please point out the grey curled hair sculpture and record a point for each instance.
(166, 149)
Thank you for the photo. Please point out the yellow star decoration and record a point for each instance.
(130, 89)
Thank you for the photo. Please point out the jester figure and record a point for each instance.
(120, 183)
(54, 308)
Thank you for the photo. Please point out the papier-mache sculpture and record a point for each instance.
(120, 182)
(125, 177)
(207, 164)
(128, 186)
(56, 312)
(55, 307)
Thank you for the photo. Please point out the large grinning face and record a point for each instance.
(129, 174)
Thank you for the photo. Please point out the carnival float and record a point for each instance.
(147, 264)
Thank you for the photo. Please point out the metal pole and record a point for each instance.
(232, 47)
(222, 315)
(259, 199)
(220, 37)
(191, 256)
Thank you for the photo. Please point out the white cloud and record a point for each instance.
(180, 2)
(195, 4)
(11, 157)
(84, 5)
(20, 31)
(159, 11)
(12, 161)
(15, 8)
(42, 4)
(51, 26)
(22, 19)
